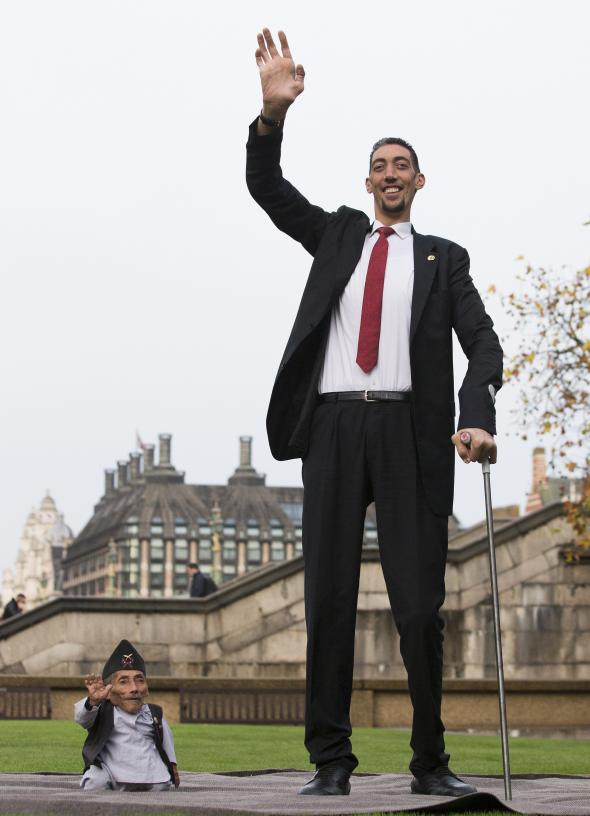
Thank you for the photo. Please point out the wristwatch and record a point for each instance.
(273, 123)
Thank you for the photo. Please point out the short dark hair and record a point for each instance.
(395, 140)
(21, 595)
(193, 565)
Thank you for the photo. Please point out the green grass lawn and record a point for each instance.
(32, 746)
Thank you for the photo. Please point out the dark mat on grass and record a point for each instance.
(275, 792)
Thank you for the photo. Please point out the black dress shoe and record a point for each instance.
(441, 784)
(329, 780)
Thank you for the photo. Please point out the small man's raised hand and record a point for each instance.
(281, 79)
(97, 691)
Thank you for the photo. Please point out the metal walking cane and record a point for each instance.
(466, 439)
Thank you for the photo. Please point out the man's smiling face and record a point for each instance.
(393, 181)
(129, 690)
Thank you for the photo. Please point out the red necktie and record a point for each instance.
(368, 347)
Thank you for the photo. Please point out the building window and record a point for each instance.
(229, 552)
(157, 549)
(370, 534)
(132, 525)
(253, 532)
(180, 525)
(298, 547)
(181, 550)
(294, 510)
(229, 532)
(205, 550)
(229, 570)
(156, 527)
(254, 553)
(277, 551)
(276, 532)
(205, 531)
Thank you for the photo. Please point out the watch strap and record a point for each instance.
(273, 123)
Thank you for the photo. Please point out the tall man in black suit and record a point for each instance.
(364, 395)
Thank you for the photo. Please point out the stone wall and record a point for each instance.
(254, 627)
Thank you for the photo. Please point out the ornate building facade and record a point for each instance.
(37, 571)
(149, 524)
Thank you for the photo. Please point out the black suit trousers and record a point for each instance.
(360, 452)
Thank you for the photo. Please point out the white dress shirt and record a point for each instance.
(130, 754)
(341, 372)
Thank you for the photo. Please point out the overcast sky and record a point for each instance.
(143, 288)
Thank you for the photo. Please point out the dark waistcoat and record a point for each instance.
(100, 731)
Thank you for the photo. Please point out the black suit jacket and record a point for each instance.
(101, 729)
(444, 298)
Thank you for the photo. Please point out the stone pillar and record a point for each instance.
(169, 568)
(144, 567)
(241, 557)
(192, 552)
(134, 467)
(245, 451)
(289, 550)
(148, 458)
(122, 473)
(165, 450)
(109, 482)
(265, 552)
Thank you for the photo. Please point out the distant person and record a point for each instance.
(199, 584)
(129, 744)
(14, 607)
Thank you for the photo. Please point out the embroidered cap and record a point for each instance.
(124, 658)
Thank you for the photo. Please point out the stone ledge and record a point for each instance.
(450, 686)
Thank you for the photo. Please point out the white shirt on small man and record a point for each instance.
(130, 754)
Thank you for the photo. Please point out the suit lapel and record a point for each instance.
(350, 259)
(425, 264)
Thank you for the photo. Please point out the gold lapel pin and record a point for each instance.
(431, 258)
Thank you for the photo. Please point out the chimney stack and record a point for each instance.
(245, 451)
(165, 450)
(539, 468)
(534, 501)
(109, 482)
(148, 458)
(134, 467)
(121, 473)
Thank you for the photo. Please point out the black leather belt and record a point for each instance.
(366, 396)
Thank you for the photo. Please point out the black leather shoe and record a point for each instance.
(329, 780)
(441, 784)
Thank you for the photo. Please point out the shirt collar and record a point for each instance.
(120, 714)
(402, 230)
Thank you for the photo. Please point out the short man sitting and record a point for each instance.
(129, 744)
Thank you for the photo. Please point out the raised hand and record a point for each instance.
(281, 79)
(97, 691)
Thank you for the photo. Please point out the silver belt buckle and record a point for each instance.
(367, 398)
